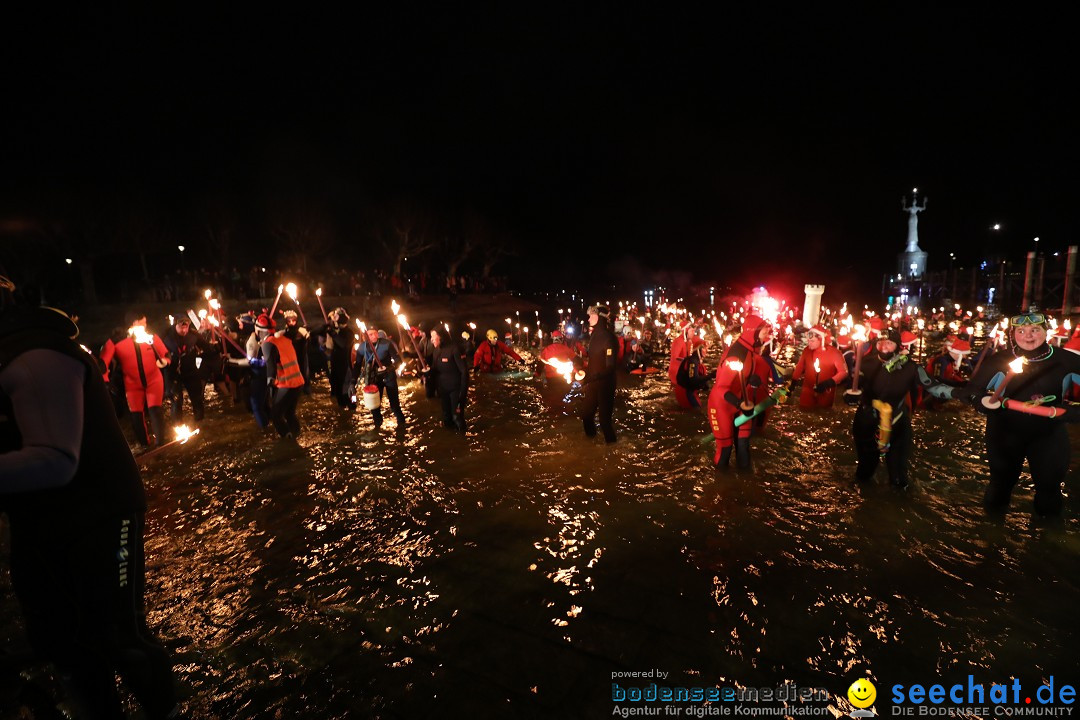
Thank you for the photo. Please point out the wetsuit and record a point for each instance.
(75, 505)
(556, 351)
(184, 371)
(819, 386)
(489, 356)
(342, 386)
(731, 389)
(450, 373)
(691, 377)
(890, 381)
(1012, 436)
(143, 382)
(382, 375)
(599, 382)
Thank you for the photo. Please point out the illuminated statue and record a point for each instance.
(913, 211)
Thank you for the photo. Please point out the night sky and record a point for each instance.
(735, 148)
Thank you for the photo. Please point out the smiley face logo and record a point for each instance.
(862, 693)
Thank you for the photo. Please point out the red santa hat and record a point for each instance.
(960, 347)
(1073, 344)
(821, 332)
(907, 338)
(844, 340)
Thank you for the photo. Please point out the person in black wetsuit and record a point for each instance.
(692, 374)
(882, 425)
(75, 505)
(1012, 436)
(339, 343)
(599, 381)
(450, 373)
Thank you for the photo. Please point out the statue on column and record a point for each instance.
(913, 211)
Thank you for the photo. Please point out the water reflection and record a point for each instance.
(511, 570)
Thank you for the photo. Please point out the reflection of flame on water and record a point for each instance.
(401, 368)
(183, 433)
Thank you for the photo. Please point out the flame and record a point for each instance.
(394, 307)
(1017, 365)
(447, 326)
(214, 304)
(291, 290)
(563, 367)
(472, 325)
(403, 322)
(509, 321)
(817, 367)
(921, 323)
(362, 326)
(858, 333)
(207, 294)
(202, 314)
(735, 365)
(280, 289)
(727, 339)
(184, 433)
(637, 334)
(139, 334)
(401, 368)
(318, 292)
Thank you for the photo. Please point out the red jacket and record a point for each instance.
(489, 357)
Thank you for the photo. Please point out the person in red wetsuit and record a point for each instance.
(489, 356)
(557, 350)
(820, 367)
(141, 356)
(742, 381)
(680, 348)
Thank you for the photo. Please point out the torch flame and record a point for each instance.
(403, 322)
(394, 307)
(817, 367)
(138, 334)
(318, 292)
(1017, 365)
(362, 326)
(184, 433)
(291, 290)
(563, 367)
(214, 304)
(401, 368)
(735, 365)
(207, 294)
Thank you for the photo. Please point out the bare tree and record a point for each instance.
(304, 231)
(407, 236)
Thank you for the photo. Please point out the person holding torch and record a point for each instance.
(881, 429)
(741, 383)
(1026, 414)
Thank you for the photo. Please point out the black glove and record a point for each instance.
(825, 385)
(754, 381)
(852, 398)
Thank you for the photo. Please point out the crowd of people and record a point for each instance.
(75, 502)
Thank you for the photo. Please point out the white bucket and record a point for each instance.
(372, 400)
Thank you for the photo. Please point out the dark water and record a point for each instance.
(510, 572)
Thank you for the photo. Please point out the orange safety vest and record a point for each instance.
(288, 370)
